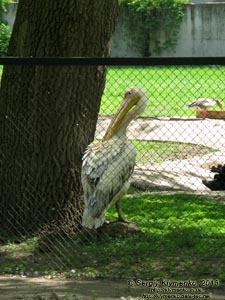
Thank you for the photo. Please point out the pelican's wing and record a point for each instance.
(106, 169)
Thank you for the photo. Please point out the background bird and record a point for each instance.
(108, 165)
(205, 104)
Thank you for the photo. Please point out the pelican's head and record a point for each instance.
(135, 98)
(134, 103)
(219, 104)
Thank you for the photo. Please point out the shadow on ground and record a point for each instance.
(30, 288)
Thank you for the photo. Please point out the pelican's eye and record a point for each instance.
(128, 93)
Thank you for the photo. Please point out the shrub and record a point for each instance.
(5, 33)
(147, 18)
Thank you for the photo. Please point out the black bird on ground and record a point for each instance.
(218, 183)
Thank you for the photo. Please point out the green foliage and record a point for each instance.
(5, 31)
(148, 18)
(3, 4)
(5, 34)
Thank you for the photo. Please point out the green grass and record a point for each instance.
(170, 89)
(183, 237)
(149, 152)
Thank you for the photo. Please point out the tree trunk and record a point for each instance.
(48, 114)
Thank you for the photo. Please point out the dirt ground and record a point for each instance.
(13, 287)
(178, 175)
(208, 132)
(38, 288)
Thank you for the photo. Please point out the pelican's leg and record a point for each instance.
(119, 212)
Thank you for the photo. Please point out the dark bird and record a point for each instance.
(108, 164)
(218, 183)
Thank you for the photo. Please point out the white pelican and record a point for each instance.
(108, 165)
(205, 104)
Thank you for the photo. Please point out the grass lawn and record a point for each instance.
(150, 152)
(183, 238)
(170, 89)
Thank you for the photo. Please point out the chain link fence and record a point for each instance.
(175, 201)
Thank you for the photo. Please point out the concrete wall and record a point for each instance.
(202, 32)
(122, 45)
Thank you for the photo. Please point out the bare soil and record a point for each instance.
(177, 174)
(39, 288)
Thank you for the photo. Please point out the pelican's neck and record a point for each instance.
(128, 111)
(130, 116)
(122, 129)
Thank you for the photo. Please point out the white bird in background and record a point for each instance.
(205, 104)
(108, 164)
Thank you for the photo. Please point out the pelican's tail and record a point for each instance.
(91, 222)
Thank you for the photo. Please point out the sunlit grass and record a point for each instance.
(178, 228)
(183, 237)
(170, 89)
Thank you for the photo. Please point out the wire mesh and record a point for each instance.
(170, 197)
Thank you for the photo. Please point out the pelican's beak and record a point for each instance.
(129, 101)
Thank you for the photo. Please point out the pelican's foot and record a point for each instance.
(122, 220)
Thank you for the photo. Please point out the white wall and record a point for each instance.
(202, 32)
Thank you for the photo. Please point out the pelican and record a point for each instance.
(205, 104)
(108, 165)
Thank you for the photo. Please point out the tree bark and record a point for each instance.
(48, 114)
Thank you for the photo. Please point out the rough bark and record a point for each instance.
(48, 114)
